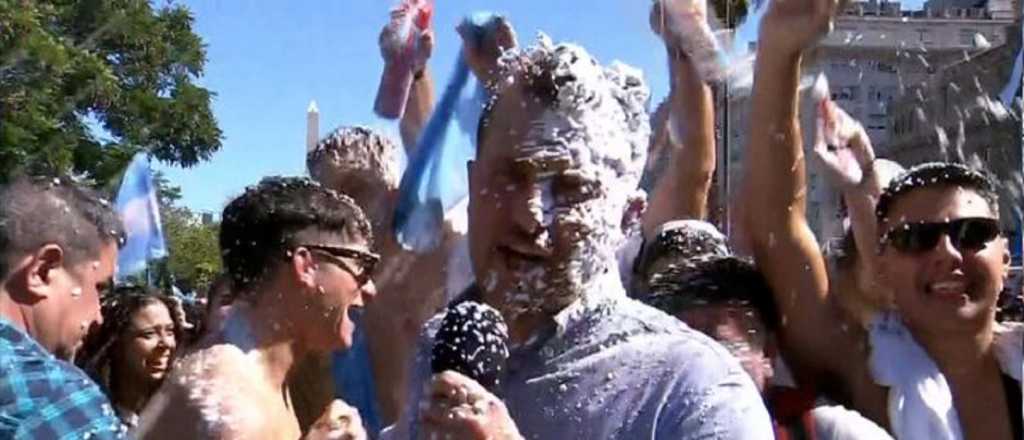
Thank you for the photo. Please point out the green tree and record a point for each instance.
(86, 84)
(192, 247)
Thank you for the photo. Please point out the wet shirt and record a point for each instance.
(610, 367)
(42, 397)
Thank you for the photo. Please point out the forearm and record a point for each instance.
(683, 191)
(860, 204)
(776, 170)
(417, 110)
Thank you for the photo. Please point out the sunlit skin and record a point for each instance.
(147, 346)
(56, 302)
(945, 290)
(952, 320)
(143, 356)
(510, 235)
(302, 307)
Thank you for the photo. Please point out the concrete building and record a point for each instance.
(878, 55)
(956, 116)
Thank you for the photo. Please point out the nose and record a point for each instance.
(368, 292)
(167, 341)
(531, 209)
(946, 255)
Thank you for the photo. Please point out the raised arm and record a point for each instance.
(783, 245)
(419, 106)
(682, 193)
(842, 147)
(420, 102)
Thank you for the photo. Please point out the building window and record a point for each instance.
(967, 36)
(846, 93)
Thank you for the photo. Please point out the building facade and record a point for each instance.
(883, 62)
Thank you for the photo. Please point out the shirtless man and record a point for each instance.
(939, 252)
(299, 259)
(363, 164)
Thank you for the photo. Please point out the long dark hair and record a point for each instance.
(98, 352)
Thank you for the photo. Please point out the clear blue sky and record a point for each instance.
(267, 60)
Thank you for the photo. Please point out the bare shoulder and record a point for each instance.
(217, 390)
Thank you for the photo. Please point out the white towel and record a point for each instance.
(920, 401)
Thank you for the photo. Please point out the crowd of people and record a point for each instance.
(626, 314)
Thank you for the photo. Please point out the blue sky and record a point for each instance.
(267, 60)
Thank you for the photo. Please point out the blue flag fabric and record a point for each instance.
(353, 379)
(137, 205)
(436, 179)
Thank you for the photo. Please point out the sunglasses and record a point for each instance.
(367, 260)
(966, 234)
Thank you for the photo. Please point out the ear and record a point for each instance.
(42, 269)
(303, 267)
(1007, 259)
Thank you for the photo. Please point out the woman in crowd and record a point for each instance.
(133, 351)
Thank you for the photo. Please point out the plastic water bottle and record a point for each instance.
(408, 21)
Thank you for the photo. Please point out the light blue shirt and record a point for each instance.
(609, 367)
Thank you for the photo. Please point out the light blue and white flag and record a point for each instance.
(138, 208)
(435, 180)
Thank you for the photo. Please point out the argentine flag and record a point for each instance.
(435, 181)
(137, 205)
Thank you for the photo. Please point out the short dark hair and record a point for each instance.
(40, 210)
(716, 282)
(937, 174)
(686, 242)
(259, 226)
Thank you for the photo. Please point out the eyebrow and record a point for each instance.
(543, 161)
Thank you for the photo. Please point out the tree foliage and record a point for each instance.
(86, 84)
(193, 251)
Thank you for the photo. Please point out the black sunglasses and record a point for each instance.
(966, 234)
(367, 260)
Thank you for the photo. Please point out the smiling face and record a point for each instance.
(147, 345)
(944, 289)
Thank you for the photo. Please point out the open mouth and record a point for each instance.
(951, 290)
(517, 258)
(159, 364)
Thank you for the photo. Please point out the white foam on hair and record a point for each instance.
(599, 117)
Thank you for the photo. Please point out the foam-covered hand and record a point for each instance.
(791, 26)
(482, 54)
(457, 407)
(842, 146)
(338, 422)
(394, 45)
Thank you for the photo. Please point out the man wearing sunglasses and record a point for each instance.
(938, 366)
(300, 264)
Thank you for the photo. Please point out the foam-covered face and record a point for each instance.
(544, 212)
(148, 344)
(552, 176)
(943, 289)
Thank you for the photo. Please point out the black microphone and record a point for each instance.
(473, 341)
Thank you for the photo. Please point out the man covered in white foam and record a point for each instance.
(560, 153)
